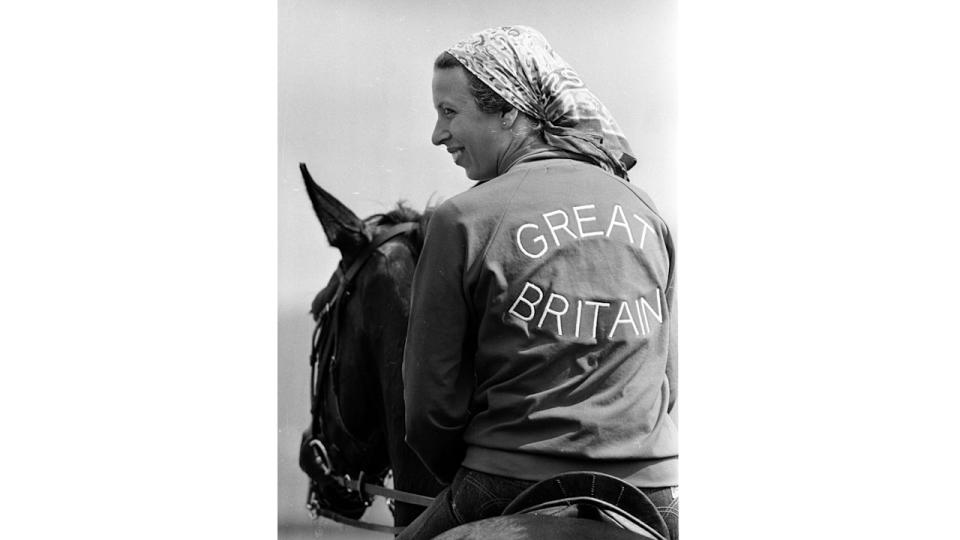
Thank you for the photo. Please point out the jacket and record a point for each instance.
(542, 331)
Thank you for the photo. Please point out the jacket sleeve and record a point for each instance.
(672, 347)
(438, 377)
(671, 297)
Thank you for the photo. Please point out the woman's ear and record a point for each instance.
(509, 118)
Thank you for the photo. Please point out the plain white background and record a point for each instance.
(817, 154)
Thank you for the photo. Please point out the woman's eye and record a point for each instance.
(448, 112)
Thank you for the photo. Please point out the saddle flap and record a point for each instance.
(592, 495)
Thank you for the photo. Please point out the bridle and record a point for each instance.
(323, 362)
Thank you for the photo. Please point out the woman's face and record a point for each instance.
(476, 139)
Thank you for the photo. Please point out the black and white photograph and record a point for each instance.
(477, 268)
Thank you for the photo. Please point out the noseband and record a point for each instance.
(323, 364)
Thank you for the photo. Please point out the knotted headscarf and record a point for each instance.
(519, 65)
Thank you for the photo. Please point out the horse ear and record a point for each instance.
(344, 230)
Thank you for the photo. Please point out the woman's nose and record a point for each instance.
(440, 133)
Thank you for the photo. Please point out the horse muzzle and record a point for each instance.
(327, 490)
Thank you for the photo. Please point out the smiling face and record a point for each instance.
(477, 140)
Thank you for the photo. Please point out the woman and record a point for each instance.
(542, 328)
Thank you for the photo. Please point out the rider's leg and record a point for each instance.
(667, 501)
(471, 496)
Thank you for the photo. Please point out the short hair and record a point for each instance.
(487, 100)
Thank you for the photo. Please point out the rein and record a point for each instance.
(322, 361)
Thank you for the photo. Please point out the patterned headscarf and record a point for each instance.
(520, 66)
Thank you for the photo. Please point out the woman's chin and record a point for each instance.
(477, 176)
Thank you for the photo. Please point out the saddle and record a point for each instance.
(595, 496)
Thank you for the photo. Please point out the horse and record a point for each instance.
(358, 406)
(358, 429)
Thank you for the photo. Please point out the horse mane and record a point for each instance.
(404, 214)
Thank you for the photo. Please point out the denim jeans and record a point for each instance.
(667, 501)
(474, 495)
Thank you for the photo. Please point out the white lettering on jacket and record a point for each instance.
(625, 317)
(533, 243)
(523, 299)
(538, 238)
(557, 314)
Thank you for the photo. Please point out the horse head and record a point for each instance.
(361, 317)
